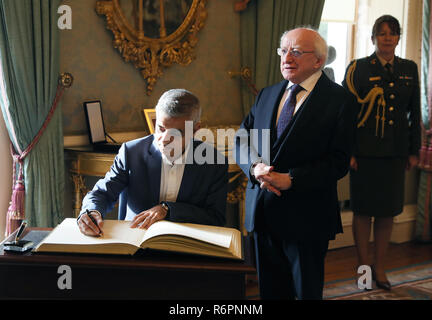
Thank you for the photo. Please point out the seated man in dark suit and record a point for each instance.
(157, 177)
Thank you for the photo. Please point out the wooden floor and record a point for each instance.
(342, 263)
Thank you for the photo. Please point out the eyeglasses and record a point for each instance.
(296, 53)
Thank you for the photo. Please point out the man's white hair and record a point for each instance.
(320, 45)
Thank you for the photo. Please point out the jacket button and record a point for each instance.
(391, 84)
(391, 122)
(391, 108)
(392, 96)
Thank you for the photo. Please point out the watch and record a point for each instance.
(166, 208)
(251, 170)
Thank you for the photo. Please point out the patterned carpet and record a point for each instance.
(408, 283)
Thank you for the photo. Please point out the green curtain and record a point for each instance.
(29, 52)
(423, 229)
(262, 25)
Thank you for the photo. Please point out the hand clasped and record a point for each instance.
(271, 180)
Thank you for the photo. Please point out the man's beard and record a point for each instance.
(173, 150)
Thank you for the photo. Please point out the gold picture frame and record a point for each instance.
(173, 40)
(150, 116)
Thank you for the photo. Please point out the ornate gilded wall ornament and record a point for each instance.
(65, 80)
(153, 34)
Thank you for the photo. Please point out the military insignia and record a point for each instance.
(408, 78)
(374, 78)
(373, 61)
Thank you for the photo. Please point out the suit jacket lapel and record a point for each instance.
(396, 69)
(378, 69)
(269, 118)
(154, 166)
(190, 174)
(187, 183)
(303, 115)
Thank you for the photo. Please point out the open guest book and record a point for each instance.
(119, 238)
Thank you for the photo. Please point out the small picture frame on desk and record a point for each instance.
(95, 123)
(150, 116)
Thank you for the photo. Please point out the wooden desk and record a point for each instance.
(86, 162)
(146, 275)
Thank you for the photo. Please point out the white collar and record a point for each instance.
(309, 83)
(179, 160)
(384, 61)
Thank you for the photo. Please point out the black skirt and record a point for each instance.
(377, 187)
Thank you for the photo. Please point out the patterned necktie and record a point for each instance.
(288, 109)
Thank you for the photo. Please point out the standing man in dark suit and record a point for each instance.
(291, 196)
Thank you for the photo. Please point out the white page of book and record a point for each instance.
(114, 231)
(214, 235)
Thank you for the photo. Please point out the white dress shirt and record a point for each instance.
(307, 85)
(171, 176)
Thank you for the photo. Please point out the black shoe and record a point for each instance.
(383, 285)
(380, 284)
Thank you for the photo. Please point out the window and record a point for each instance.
(347, 25)
(337, 26)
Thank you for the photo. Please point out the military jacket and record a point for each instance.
(392, 130)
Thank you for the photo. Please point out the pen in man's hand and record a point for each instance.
(94, 221)
(21, 230)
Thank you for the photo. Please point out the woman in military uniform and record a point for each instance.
(387, 140)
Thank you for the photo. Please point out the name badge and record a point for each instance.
(374, 78)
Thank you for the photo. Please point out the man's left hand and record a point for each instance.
(275, 182)
(146, 218)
